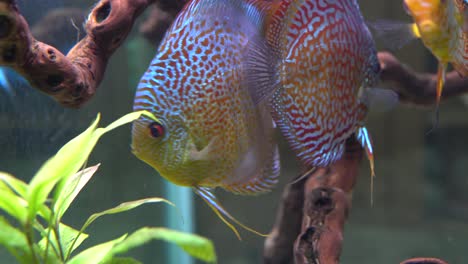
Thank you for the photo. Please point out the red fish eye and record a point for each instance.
(156, 129)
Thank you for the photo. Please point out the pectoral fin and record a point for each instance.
(206, 153)
(379, 100)
(394, 34)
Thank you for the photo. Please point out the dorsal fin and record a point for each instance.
(236, 8)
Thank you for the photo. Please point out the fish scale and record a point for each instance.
(328, 56)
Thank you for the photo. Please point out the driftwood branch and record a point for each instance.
(325, 203)
(72, 79)
(418, 88)
(424, 261)
(278, 245)
(323, 212)
(313, 211)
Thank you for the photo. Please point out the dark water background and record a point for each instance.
(421, 193)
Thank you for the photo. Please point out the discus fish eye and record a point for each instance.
(156, 129)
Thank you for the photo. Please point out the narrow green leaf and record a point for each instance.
(124, 207)
(10, 236)
(97, 253)
(15, 184)
(127, 119)
(14, 241)
(67, 235)
(72, 187)
(13, 205)
(68, 160)
(197, 246)
(45, 212)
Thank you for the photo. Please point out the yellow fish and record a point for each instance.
(442, 25)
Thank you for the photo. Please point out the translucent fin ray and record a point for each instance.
(379, 100)
(219, 210)
(261, 70)
(441, 72)
(263, 182)
(394, 34)
(365, 140)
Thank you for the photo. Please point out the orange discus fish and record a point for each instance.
(210, 133)
(328, 63)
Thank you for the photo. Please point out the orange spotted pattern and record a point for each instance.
(327, 56)
(194, 86)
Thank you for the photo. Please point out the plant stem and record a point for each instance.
(57, 237)
(73, 244)
(30, 238)
(46, 251)
(41, 230)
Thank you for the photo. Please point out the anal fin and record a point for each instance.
(365, 140)
(222, 213)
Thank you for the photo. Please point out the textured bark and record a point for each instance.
(72, 79)
(418, 88)
(278, 245)
(327, 194)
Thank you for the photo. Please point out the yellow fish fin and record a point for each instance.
(365, 140)
(415, 30)
(394, 34)
(219, 210)
(441, 72)
(304, 175)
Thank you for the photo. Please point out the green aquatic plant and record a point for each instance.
(31, 228)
